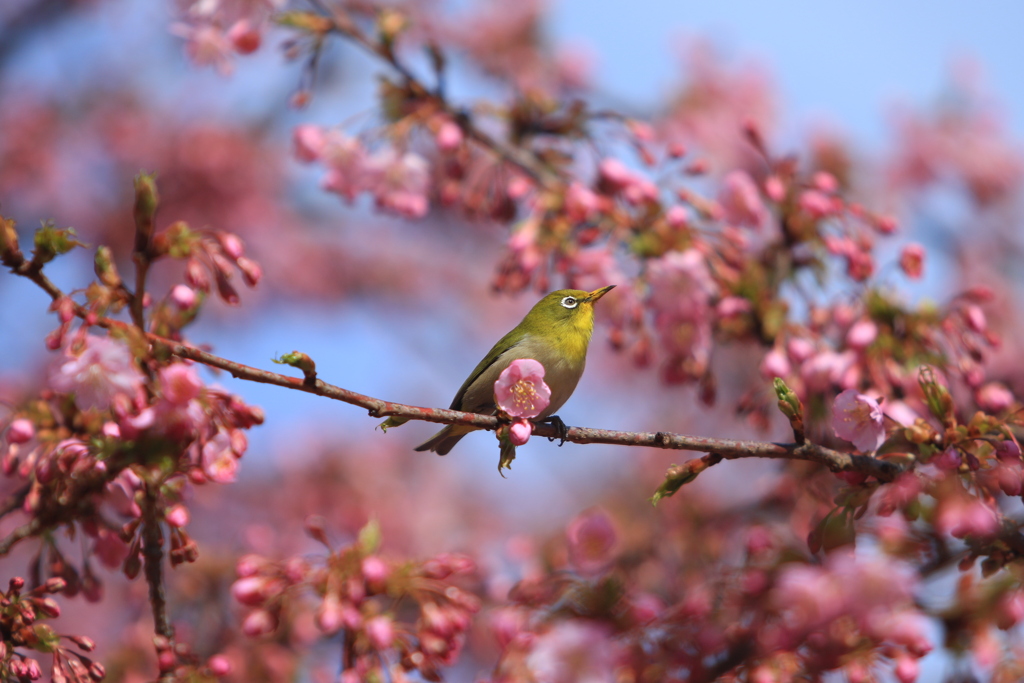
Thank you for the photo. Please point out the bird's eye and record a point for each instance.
(569, 301)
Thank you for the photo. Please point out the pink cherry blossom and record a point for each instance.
(219, 460)
(109, 548)
(962, 516)
(206, 45)
(592, 539)
(121, 493)
(581, 203)
(574, 650)
(102, 369)
(179, 383)
(399, 183)
(741, 200)
(681, 291)
(827, 368)
(858, 419)
(345, 158)
(520, 390)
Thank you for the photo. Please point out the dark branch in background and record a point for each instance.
(524, 159)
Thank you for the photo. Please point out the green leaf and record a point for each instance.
(370, 537)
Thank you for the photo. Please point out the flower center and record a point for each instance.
(524, 394)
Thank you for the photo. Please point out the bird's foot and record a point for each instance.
(556, 422)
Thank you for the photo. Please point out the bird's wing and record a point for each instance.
(504, 345)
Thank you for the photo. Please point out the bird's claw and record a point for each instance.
(563, 431)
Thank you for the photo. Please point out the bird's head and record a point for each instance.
(565, 310)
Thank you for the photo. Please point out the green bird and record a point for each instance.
(556, 333)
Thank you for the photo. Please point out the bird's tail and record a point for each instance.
(445, 440)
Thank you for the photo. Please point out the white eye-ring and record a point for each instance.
(570, 302)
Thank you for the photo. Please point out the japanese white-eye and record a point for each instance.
(556, 332)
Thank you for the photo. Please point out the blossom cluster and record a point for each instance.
(366, 597)
(740, 267)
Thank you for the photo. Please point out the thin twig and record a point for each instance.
(15, 500)
(24, 531)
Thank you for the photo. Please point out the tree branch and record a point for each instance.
(729, 449)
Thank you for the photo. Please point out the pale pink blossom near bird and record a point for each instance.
(858, 419)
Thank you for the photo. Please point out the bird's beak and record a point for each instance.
(598, 293)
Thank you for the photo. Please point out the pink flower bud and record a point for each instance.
(886, 225)
(177, 516)
(21, 431)
(183, 296)
(912, 260)
(994, 397)
(196, 275)
(248, 565)
(1008, 450)
(520, 430)
(259, 622)
(816, 204)
(32, 670)
(244, 37)
(65, 308)
(219, 665)
(733, 305)
(449, 136)
(861, 334)
(975, 318)
(252, 273)
(826, 182)
(329, 614)
(775, 188)
(1011, 609)
(381, 632)
(775, 364)
(250, 590)
(310, 142)
(677, 216)
(615, 173)
(375, 570)
(800, 349)
(232, 246)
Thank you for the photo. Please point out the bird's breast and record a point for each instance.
(563, 367)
